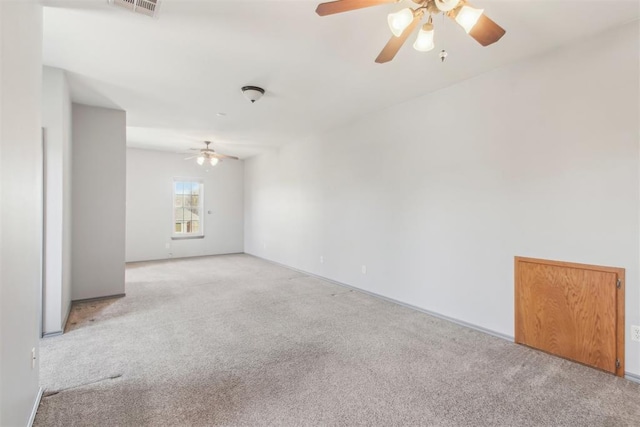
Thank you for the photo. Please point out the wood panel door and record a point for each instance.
(575, 311)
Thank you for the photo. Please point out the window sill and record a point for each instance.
(186, 237)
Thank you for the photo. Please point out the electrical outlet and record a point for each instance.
(321, 259)
(167, 246)
(364, 269)
(33, 358)
(635, 333)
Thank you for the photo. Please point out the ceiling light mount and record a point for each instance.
(252, 93)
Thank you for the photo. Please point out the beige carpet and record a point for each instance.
(234, 340)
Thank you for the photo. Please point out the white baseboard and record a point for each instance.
(99, 298)
(36, 404)
(66, 316)
(413, 307)
(51, 334)
(64, 324)
(169, 258)
(632, 377)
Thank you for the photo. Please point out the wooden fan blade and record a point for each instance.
(395, 43)
(340, 6)
(224, 156)
(192, 157)
(486, 31)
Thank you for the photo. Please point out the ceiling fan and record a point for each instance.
(208, 154)
(403, 22)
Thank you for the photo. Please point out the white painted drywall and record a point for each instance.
(20, 206)
(149, 206)
(67, 205)
(98, 200)
(437, 195)
(56, 120)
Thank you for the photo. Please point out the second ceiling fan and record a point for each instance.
(403, 22)
(209, 155)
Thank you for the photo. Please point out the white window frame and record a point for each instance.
(200, 233)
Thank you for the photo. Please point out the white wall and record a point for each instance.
(20, 206)
(56, 119)
(98, 200)
(149, 206)
(437, 195)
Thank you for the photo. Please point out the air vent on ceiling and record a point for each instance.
(144, 7)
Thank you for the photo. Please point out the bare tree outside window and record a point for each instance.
(187, 208)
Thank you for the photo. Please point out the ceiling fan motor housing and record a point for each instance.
(446, 5)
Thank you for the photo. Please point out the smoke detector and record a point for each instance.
(143, 7)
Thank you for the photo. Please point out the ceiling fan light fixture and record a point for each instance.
(209, 155)
(468, 16)
(400, 20)
(446, 5)
(424, 41)
(402, 23)
(252, 93)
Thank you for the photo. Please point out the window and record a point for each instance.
(188, 208)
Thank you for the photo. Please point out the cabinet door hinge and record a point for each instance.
(617, 363)
(619, 284)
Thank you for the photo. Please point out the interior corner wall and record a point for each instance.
(437, 195)
(67, 205)
(20, 207)
(150, 177)
(56, 121)
(98, 200)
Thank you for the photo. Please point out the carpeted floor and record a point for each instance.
(234, 340)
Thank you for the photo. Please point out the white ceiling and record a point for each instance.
(174, 74)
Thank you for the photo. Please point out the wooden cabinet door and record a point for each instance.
(575, 311)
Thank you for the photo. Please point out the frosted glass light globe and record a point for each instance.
(399, 21)
(468, 16)
(424, 42)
